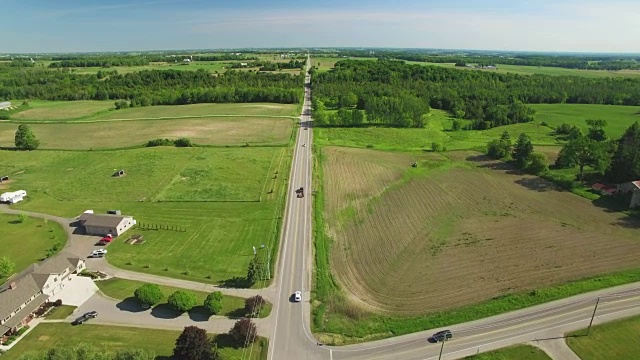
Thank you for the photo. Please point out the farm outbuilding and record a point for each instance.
(13, 197)
(632, 187)
(103, 224)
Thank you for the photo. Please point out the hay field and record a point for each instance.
(219, 131)
(87, 110)
(53, 110)
(459, 230)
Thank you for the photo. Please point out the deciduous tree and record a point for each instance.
(182, 300)
(213, 302)
(25, 139)
(149, 294)
(253, 304)
(192, 344)
(7, 267)
(625, 165)
(522, 150)
(243, 332)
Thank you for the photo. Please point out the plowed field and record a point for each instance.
(459, 230)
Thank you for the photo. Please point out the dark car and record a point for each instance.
(81, 320)
(91, 315)
(441, 336)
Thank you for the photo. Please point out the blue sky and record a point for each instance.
(535, 25)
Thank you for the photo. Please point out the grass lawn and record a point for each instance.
(610, 341)
(520, 352)
(542, 70)
(112, 338)
(121, 289)
(35, 236)
(228, 200)
(60, 312)
(618, 118)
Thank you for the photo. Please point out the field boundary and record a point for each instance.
(81, 120)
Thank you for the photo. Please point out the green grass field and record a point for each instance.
(121, 289)
(213, 66)
(437, 130)
(34, 237)
(520, 352)
(112, 338)
(619, 118)
(542, 70)
(228, 200)
(610, 341)
(53, 110)
(60, 312)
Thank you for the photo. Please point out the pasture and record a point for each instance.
(541, 70)
(54, 110)
(113, 338)
(216, 131)
(87, 110)
(228, 200)
(618, 118)
(519, 352)
(212, 66)
(410, 241)
(437, 129)
(610, 341)
(34, 236)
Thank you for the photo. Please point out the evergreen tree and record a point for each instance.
(522, 150)
(625, 165)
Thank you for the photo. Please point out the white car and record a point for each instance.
(297, 296)
(98, 253)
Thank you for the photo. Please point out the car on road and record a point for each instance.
(98, 253)
(297, 296)
(441, 336)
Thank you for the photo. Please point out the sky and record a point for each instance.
(129, 25)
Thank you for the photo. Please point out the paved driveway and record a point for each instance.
(76, 291)
(129, 313)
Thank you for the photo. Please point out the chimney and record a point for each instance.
(13, 285)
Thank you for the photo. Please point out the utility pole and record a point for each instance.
(442, 347)
(593, 315)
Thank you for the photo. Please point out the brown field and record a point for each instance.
(248, 109)
(114, 134)
(459, 230)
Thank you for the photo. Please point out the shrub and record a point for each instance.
(564, 129)
(149, 294)
(182, 300)
(4, 117)
(121, 104)
(213, 302)
(160, 142)
(436, 147)
(58, 302)
(537, 163)
(183, 142)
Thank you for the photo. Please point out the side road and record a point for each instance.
(81, 245)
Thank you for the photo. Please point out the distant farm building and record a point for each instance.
(5, 105)
(186, 61)
(103, 224)
(243, 64)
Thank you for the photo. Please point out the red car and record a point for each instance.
(107, 239)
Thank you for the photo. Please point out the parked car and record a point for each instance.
(79, 321)
(297, 296)
(441, 336)
(91, 314)
(98, 253)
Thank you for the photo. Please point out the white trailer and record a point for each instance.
(13, 197)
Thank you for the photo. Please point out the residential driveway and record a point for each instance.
(129, 313)
(77, 290)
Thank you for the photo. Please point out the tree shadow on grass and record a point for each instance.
(538, 184)
(130, 304)
(620, 204)
(236, 314)
(165, 311)
(199, 313)
(225, 341)
(484, 161)
(235, 282)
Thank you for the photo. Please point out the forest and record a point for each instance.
(591, 62)
(138, 60)
(152, 87)
(487, 99)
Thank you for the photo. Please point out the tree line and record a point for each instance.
(135, 60)
(487, 99)
(153, 87)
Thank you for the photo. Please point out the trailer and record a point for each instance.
(13, 197)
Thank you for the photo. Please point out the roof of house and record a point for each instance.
(31, 280)
(102, 220)
(636, 183)
(17, 318)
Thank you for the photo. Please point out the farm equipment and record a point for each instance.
(300, 192)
